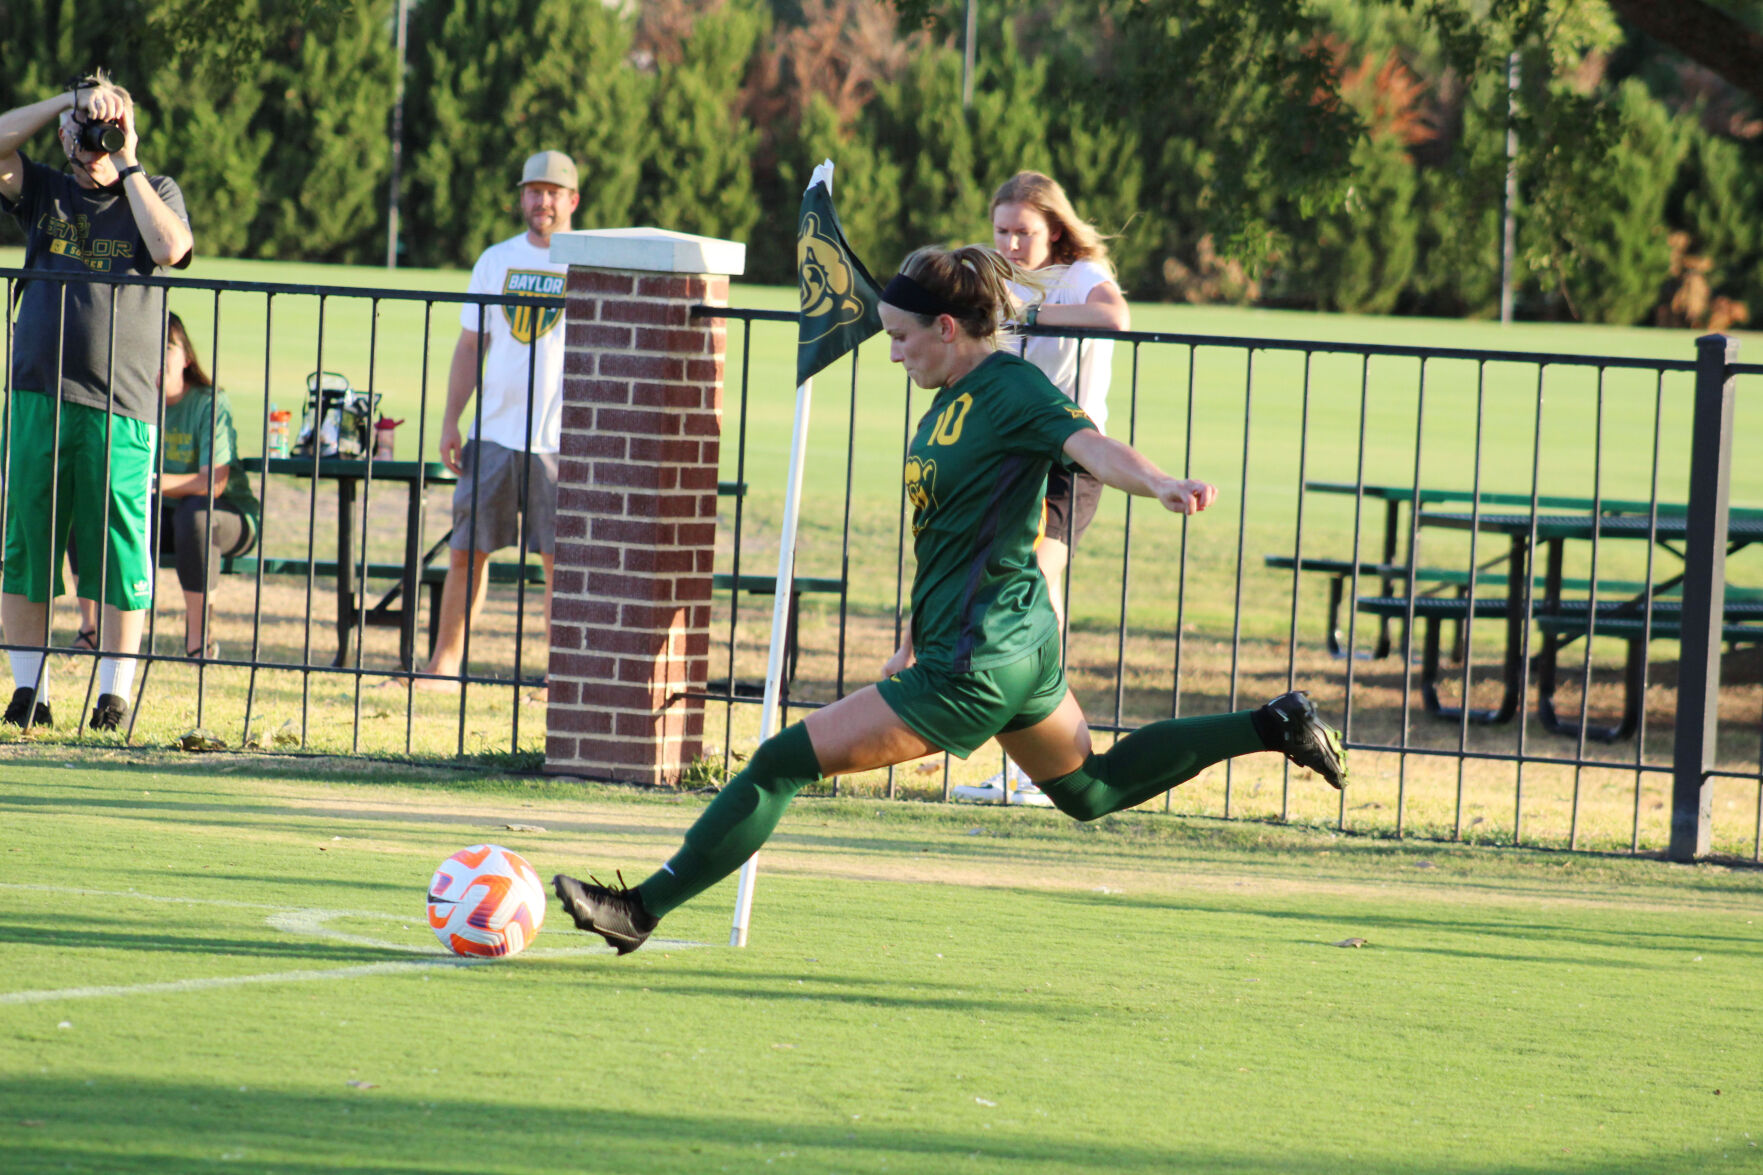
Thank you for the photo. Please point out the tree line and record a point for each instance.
(1340, 154)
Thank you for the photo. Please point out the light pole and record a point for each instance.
(967, 61)
(1509, 218)
(397, 141)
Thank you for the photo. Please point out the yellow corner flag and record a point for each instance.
(839, 298)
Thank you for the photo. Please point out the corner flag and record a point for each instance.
(839, 298)
(839, 311)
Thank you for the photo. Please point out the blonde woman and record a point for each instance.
(981, 657)
(1035, 227)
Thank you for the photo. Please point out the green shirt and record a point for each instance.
(186, 439)
(976, 476)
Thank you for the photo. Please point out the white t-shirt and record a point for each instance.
(1058, 358)
(517, 266)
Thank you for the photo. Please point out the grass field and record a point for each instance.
(222, 965)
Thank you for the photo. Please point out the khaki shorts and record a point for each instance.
(492, 473)
(1072, 498)
(958, 712)
(76, 480)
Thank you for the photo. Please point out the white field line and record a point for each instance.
(307, 922)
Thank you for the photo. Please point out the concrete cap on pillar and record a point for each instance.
(655, 250)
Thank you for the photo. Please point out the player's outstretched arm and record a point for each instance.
(1125, 468)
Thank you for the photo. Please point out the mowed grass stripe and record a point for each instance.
(1030, 995)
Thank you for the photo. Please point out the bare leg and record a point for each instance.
(1056, 745)
(543, 693)
(462, 602)
(195, 621)
(25, 623)
(1053, 555)
(859, 732)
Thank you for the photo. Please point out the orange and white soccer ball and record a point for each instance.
(486, 900)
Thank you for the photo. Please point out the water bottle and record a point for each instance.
(280, 424)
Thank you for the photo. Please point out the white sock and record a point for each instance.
(25, 667)
(116, 675)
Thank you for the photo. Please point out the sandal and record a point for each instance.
(212, 652)
(85, 642)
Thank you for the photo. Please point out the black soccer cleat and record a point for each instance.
(110, 713)
(1289, 724)
(19, 710)
(616, 915)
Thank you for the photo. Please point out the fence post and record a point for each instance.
(1704, 600)
(636, 501)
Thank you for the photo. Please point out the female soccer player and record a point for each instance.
(1035, 227)
(981, 656)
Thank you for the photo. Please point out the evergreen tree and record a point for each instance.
(1009, 118)
(1720, 213)
(698, 176)
(328, 158)
(210, 144)
(866, 186)
(493, 81)
(1098, 164)
(920, 124)
(1604, 236)
(1361, 254)
(1461, 199)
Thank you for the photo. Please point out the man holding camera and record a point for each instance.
(86, 364)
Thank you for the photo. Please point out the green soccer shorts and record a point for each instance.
(960, 711)
(35, 548)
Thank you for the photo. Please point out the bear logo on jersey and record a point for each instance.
(921, 490)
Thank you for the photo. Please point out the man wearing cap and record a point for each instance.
(507, 460)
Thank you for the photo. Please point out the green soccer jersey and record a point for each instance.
(976, 476)
(186, 439)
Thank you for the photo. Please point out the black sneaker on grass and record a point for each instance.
(1289, 724)
(110, 713)
(616, 915)
(18, 711)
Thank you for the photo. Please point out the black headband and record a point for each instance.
(904, 293)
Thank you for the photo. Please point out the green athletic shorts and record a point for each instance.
(960, 711)
(34, 549)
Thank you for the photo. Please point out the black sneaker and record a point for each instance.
(616, 915)
(1289, 725)
(18, 711)
(110, 713)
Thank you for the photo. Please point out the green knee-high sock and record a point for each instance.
(1150, 761)
(737, 821)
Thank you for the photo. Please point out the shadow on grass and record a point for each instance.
(1629, 946)
(157, 1126)
(75, 932)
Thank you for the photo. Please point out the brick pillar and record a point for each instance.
(636, 501)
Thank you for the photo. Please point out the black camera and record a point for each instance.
(101, 135)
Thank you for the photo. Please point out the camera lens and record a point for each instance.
(102, 136)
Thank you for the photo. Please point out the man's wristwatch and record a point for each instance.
(131, 169)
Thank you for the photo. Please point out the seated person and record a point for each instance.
(195, 411)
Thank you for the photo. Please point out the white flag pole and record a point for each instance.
(780, 606)
(780, 619)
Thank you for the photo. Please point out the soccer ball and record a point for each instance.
(486, 901)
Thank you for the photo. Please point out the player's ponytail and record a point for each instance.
(970, 284)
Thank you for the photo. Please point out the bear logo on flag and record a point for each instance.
(826, 283)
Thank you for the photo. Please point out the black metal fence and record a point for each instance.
(1513, 576)
(1505, 572)
(353, 528)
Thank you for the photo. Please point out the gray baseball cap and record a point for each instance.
(549, 167)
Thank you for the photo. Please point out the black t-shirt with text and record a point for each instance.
(70, 229)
